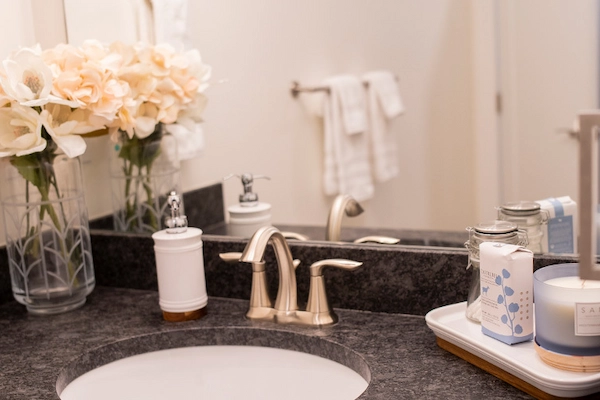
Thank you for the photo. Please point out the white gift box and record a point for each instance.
(506, 275)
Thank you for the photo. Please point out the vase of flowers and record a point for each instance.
(47, 234)
(48, 101)
(161, 110)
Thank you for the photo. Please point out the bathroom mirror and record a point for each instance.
(490, 89)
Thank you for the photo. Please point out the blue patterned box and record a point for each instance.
(506, 292)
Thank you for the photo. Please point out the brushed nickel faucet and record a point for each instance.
(287, 298)
(346, 204)
(343, 204)
(285, 310)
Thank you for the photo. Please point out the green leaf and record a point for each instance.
(142, 152)
(28, 168)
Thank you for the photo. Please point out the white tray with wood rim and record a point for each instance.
(517, 364)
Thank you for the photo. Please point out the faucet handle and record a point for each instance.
(318, 305)
(234, 257)
(378, 240)
(316, 269)
(231, 258)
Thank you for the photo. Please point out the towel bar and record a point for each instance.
(296, 88)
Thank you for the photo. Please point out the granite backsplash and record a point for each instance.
(393, 278)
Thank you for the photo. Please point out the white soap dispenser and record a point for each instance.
(180, 267)
(249, 215)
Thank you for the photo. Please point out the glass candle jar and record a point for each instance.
(567, 311)
(528, 216)
(496, 231)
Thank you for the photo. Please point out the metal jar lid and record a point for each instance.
(494, 231)
(495, 228)
(521, 208)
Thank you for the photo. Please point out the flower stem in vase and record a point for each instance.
(38, 170)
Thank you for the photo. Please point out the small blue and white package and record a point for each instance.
(506, 277)
(560, 233)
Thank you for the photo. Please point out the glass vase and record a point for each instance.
(143, 173)
(47, 232)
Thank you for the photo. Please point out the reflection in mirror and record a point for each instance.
(476, 133)
(204, 208)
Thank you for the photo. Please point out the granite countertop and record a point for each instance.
(403, 359)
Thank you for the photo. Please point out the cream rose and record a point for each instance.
(20, 131)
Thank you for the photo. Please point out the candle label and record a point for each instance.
(587, 319)
(560, 235)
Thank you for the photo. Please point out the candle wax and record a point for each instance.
(573, 282)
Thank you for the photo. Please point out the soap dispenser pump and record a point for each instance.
(249, 215)
(180, 267)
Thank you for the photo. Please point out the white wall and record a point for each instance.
(550, 73)
(14, 20)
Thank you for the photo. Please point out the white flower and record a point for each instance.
(194, 109)
(198, 69)
(146, 120)
(27, 79)
(20, 131)
(65, 125)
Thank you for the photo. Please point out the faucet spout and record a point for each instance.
(287, 297)
(343, 204)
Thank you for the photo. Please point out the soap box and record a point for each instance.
(560, 233)
(506, 275)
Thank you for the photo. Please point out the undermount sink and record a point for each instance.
(216, 363)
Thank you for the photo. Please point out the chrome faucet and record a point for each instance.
(343, 204)
(285, 310)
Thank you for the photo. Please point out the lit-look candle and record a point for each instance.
(567, 311)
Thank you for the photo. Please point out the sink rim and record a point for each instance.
(206, 336)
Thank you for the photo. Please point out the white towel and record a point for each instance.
(144, 20)
(384, 104)
(347, 167)
(353, 103)
(162, 21)
(170, 22)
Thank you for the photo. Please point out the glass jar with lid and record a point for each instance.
(528, 216)
(496, 231)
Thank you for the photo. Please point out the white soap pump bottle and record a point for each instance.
(180, 267)
(249, 215)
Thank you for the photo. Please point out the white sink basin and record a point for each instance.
(218, 372)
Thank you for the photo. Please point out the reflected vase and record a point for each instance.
(47, 232)
(143, 173)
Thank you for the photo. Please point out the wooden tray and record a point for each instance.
(517, 364)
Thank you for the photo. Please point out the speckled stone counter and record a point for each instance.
(403, 359)
(382, 318)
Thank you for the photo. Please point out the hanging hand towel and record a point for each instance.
(144, 20)
(351, 95)
(384, 103)
(347, 168)
(170, 22)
